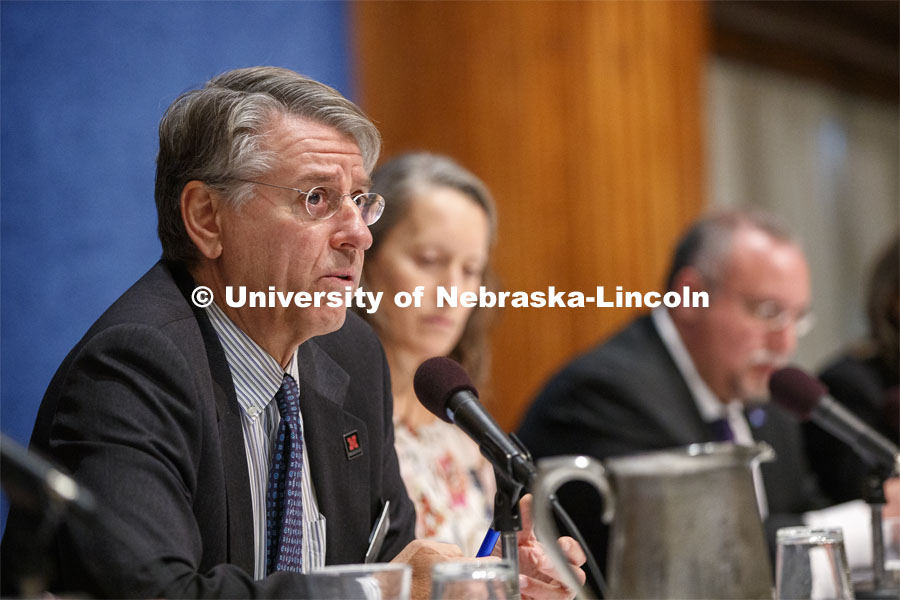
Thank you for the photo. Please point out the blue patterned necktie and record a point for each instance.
(284, 502)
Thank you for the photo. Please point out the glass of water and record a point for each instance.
(811, 564)
(482, 580)
(381, 581)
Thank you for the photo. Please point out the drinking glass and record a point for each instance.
(811, 564)
(473, 580)
(385, 581)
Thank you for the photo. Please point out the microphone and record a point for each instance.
(29, 479)
(806, 397)
(445, 389)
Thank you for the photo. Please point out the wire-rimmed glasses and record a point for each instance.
(772, 314)
(322, 202)
(777, 318)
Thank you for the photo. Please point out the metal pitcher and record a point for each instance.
(685, 522)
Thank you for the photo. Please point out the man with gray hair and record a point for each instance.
(234, 450)
(694, 374)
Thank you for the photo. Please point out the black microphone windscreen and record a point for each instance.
(796, 391)
(437, 380)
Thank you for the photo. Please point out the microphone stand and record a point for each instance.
(881, 582)
(874, 497)
(507, 519)
(876, 501)
(508, 522)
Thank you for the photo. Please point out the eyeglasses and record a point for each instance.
(322, 202)
(774, 316)
(777, 318)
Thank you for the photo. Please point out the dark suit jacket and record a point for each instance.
(627, 396)
(143, 412)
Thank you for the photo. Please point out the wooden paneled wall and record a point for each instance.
(584, 119)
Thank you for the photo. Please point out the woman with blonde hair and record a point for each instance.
(438, 231)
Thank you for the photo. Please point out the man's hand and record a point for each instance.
(421, 555)
(538, 577)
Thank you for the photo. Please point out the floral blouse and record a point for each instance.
(449, 481)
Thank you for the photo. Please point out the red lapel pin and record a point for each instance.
(351, 445)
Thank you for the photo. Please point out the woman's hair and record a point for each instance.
(883, 293)
(400, 181)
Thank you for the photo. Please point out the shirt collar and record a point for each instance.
(707, 402)
(256, 375)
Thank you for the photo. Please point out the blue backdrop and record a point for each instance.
(84, 85)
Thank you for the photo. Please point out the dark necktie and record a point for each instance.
(284, 502)
(721, 430)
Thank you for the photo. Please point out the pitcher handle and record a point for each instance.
(552, 474)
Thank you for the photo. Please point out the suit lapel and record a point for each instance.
(342, 485)
(231, 437)
(341, 479)
(234, 459)
(674, 407)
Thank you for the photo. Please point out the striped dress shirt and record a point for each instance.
(257, 377)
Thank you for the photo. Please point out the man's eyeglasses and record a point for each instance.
(322, 202)
(776, 317)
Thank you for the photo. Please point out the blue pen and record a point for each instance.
(487, 545)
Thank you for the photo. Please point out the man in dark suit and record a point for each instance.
(692, 374)
(165, 411)
(234, 448)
